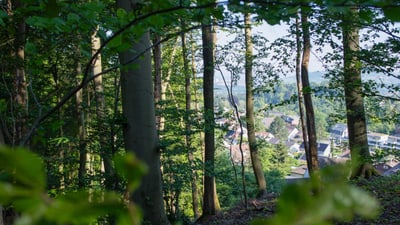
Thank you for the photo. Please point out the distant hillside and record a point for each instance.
(318, 77)
(315, 77)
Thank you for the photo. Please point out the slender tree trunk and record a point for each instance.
(19, 101)
(188, 136)
(210, 199)
(312, 152)
(140, 134)
(300, 92)
(20, 95)
(197, 109)
(1, 144)
(157, 59)
(356, 121)
(80, 115)
(255, 158)
(105, 153)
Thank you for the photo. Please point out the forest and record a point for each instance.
(153, 111)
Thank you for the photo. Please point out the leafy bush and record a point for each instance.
(23, 186)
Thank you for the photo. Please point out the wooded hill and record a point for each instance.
(105, 119)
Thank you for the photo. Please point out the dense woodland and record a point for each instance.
(108, 108)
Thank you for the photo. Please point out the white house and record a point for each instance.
(324, 149)
(377, 140)
(393, 142)
(339, 132)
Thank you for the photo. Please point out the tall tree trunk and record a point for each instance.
(188, 137)
(210, 199)
(157, 59)
(255, 158)
(1, 144)
(105, 153)
(20, 96)
(140, 134)
(80, 115)
(356, 122)
(197, 109)
(312, 152)
(303, 121)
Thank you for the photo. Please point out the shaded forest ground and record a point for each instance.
(385, 189)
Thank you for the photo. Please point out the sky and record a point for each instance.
(271, 33)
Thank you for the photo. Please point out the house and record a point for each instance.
(293, 147)
(324, 149)
(393, 142)
(377, 140)
(297, 172)
(267, 121)
(326, 161)
(263, 135)
(293, 131)
(339, 132)
(387, 168)
(292, 120)
(236, 154)
(392, 170)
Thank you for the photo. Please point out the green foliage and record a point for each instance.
(325, 198)
(278, 128)
(124, 165)
(22, 186)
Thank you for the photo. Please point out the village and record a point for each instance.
(384, 148)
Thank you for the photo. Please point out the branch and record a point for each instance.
(86, 80)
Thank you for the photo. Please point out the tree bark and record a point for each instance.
(255, 158)
(210, 199)
(140, 134)
(188, 136)
(356, 122)
(81, 129)
(20, 94)
(312, 152)
(105, 153)
(300, 91)
(157, 59)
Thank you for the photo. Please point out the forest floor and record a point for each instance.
(385, 189)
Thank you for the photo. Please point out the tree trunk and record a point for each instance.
(140, 134)
(300, 91)
(188, 137)
(157, 78)
(81, 129)
(105, 153)
(356, 122)
(210, 199)
(20, 95)
(312, 152)
(255, 158)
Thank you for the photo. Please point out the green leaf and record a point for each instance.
(24, 166)
(84, 208)
(30, 48)
(130, 168)
(320, 200)
(3, 16)
(157, 22)
(52, 8)
(119, 44)
(9, 192)
(392, 13)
